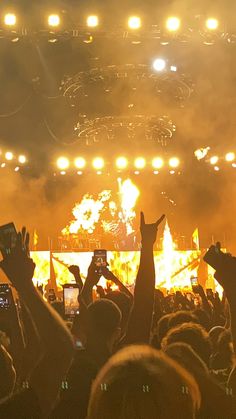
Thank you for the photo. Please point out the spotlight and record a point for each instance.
(157, 163)
(172, 172)
(159, 64)
(17, 169)
(9, 155)
(230, 156)
(63, 173)
(92, 21)
(212, 24)
(234, 165)
(54, 20)
(121, 162)
(173, 68)
(10, 19)
(22, 159)
(174, 162)
(173, 24)
(140, 163)
(216, 168)
(80, 162)
(214, 160)
(98, 163)
(63, 163)
(134, 22)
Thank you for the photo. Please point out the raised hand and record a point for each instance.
(18, 266)
(74, 269)
(93, 276)
(149, 231)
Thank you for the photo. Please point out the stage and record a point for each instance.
(173, 269)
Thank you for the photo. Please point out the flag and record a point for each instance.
(35, 239)
(195, 239)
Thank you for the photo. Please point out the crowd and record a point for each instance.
(140, 355)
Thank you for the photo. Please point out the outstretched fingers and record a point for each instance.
(160, 220)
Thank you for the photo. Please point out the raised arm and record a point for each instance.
(111, 277)
(92, 279)
(46, 378)
(141, 317)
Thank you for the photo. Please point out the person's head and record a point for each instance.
(214, 334)
(180, 317)
(103, 322)
(140, 382)
(163, 326)
(7, 373)
(224, 355)
(124, 303)
(194, 335)
(215, 402)
(202, 318)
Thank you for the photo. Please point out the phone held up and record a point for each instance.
(70, 300)
(100, 260)
(8, 238)
(6, 298)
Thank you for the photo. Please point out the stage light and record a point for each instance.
(63, 173)
(80, 162)
(214, 159)
(121, 162)
(212, 24)
(159, 64)
(54, 20)
(156, 172)
(63, 163)
(17, 169)
(134, 22)
(157, 163)
(174, 162)
(173, 24)
(216, 168)
(98, 163)
(3, 165)
(10, 19)
(22, 159)
(173, 68)
(9, 155)
(230, 156)
(92, 21)
(140, 163)
(234, 165)
(172, 172)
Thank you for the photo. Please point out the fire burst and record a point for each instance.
(88, 213)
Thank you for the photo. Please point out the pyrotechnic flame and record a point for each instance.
(129, 194)
(87, 213)
(168, 254)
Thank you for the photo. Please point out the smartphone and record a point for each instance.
(8, 237)
(70, 300)
(5, 296)
(100, 260)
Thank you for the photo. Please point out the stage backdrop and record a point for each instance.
(173, 269)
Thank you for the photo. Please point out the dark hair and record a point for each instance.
(194, 335)
(180, 317)
(163, 326)
(203, 318)
(103, 318)
(123, 302)
(141, 382)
